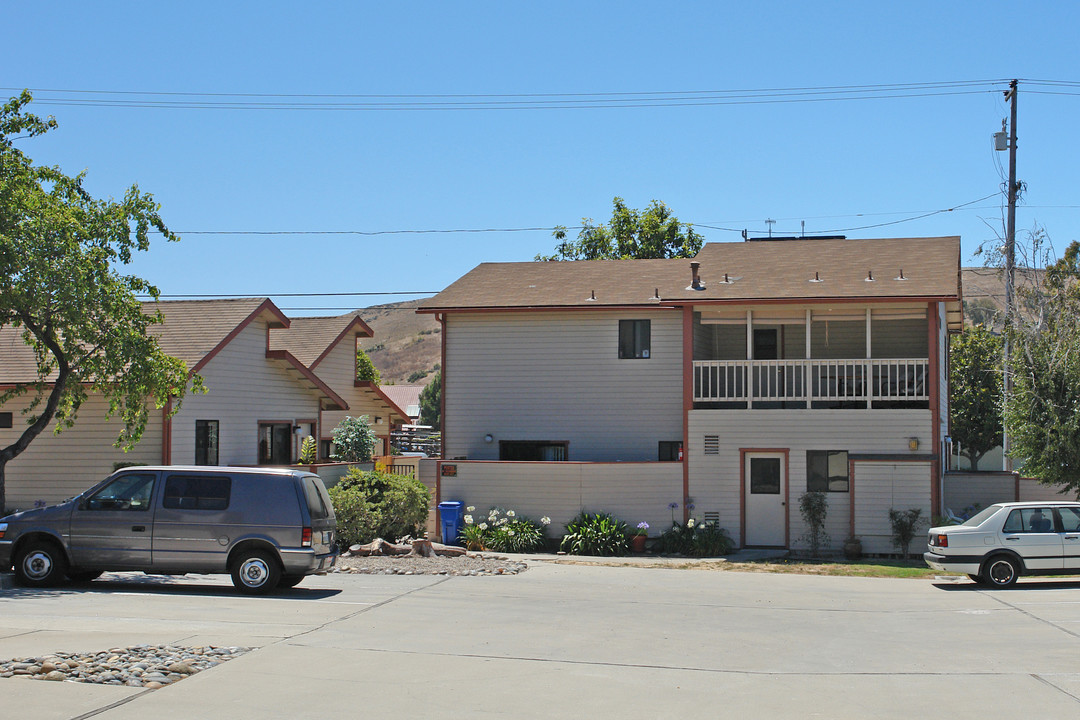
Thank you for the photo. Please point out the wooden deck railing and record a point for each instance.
(863, 380)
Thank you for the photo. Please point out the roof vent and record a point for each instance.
(869, 276)
(591, 298)
(817, 277)
(695, 277)
(901, 275)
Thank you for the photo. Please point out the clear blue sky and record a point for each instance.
(834, 164)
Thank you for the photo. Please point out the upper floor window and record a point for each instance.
(5, 419)
(634, 339)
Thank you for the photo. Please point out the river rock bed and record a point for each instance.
(469, 564)
(145, 666)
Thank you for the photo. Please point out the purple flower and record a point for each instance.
(673, 505)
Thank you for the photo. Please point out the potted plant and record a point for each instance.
(637, 540)
(853, 548)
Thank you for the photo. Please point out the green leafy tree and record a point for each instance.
(653, 233)
(61, 292)
(431, 403)
(1043, 410)
(975, 392)
(365, 369)
(354, 440)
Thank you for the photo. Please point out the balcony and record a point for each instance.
(868, 383)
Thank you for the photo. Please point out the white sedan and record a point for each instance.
(1008, 540)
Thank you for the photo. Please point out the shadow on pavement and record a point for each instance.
(1030, 585)
(161, 585)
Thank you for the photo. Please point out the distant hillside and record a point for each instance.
(407, 346)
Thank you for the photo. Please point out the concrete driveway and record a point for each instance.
(567, 641)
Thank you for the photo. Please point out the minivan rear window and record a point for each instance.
(315, 503)
(197, 492)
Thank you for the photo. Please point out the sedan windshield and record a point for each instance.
(981, 516)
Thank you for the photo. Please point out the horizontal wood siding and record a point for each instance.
(558, 377)
(963, 489)
(838, 339)
(880, 486)
(898, 338)
(55, 467)
(1031, 490)
(244, 388)
(633, 492)
(715, 478)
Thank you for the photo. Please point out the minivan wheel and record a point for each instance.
(1001, 572)
(255, 572)
(40, 563)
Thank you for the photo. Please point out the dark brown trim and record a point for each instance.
(934, 383)
(674, 303)
(390, 404)
(443, 378)
(166, 433)
(688, 398)
(890, 457)
(312, 377)
(266, 306)
(365, 330)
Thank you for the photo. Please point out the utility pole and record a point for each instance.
(1010, 268)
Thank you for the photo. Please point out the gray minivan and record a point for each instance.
(267, 527)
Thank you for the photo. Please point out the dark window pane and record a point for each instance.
(634, 339)
(764, 476)
(669, 450)
(532, 450)
(827, 471)
(197, 492)
(206, 442)
(5, 419)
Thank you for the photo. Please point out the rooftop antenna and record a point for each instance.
(803, 233)
(770, 222)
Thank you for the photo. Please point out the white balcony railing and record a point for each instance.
(863, 380)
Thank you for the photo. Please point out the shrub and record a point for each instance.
(308, 450)
(696, 539)
(814, 507)
(365, 369)
(503, 531)
(905, 523)
(354, 440)
(595, 534)
(378, 504)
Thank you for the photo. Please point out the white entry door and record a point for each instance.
(766, 495)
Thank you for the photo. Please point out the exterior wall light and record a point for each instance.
(913, 444)
(489, 438)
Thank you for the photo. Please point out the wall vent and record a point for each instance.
(712, 444)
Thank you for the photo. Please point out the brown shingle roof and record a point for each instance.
(192, 330)
(308, 338)
(758, 270)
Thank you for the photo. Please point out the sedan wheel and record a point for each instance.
(1001, 572)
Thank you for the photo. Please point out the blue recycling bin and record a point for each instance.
(450, 516)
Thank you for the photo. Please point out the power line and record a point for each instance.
(709, 226)
(221, 296)
(518, 101)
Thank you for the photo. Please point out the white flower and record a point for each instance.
(510, 513)
(690, 523)
(503, 521)
(470, 509)
(510, 533)
(468, 519)
(545, 520)
(483, 526)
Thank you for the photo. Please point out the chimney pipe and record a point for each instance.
(695, 278)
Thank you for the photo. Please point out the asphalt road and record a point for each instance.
(566, 641)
